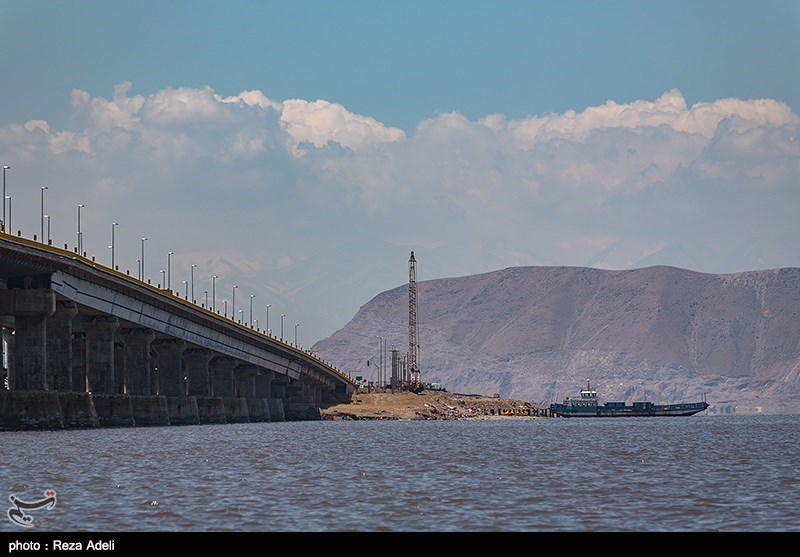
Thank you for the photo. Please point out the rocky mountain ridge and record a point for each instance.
(540, 333)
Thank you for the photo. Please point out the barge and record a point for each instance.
(587, 406)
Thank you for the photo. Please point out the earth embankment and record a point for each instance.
(428, 405)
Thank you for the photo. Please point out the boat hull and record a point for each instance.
(637, 409)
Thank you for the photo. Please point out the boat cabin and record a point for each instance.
(588, 397)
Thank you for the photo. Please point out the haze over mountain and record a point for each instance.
(540, 333)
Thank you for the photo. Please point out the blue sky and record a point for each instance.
(300, 150)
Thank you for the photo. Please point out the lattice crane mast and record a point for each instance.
(413, 362)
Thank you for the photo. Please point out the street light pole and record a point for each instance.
(163, 280)
(113, 225)
(143, 240)
(214, 293)
(233, 303)
(206, 293)
(267, 327)
(193, 266)
(295, 333)
(251, 309)
(139, 261)
(186, 289)
(80, 237)
(9, 214)
(43, 188)
(48, 227)
(282, 316)
(5, 223)
(169, 270)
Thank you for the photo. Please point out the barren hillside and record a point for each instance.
(539, 333)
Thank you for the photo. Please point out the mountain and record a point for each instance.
(538, 334)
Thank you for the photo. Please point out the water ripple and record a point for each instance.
(731, 473)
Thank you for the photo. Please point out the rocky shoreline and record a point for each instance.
(429, 405)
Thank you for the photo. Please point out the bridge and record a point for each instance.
(85, 345)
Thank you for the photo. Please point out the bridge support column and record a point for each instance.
(221, 369)
(148, 409)
(31, 308)
(137, 360)
(278, 391)
(244, 380)
(197, 362)
(263, 380)
(79, 369)
(30, 405)
(182, 408)
(59, 346)
(77, 406)
(170, 366)
(245, 376)
(100, 353)
(113, 408)
(222, 385)
(299, 403)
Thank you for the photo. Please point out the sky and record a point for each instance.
(300, 150)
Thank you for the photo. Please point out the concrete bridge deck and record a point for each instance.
(88, 346)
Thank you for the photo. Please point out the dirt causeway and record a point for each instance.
(428, 405)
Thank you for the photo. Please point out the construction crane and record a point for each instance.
(414, 382)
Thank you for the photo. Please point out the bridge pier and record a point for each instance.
(148, 409)
(197, 362)
(113, 409)
(30, 308)
(263, 392)
(223, 385)
(59, 347)
(277, 406)
(245, 375)
(300, 402)
(137, 360)
(100, 353)
(30, 405)
(171, 383)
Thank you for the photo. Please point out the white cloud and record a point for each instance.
(320, 122)
(610, 186)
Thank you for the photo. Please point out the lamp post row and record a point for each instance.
(167, 280)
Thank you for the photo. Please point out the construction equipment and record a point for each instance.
(414, 382)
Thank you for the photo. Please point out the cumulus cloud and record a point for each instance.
(577, 186)
(711, 187)
(321, 122)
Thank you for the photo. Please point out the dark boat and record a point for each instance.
(587, 406)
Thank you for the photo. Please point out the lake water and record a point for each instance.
(697, 474)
